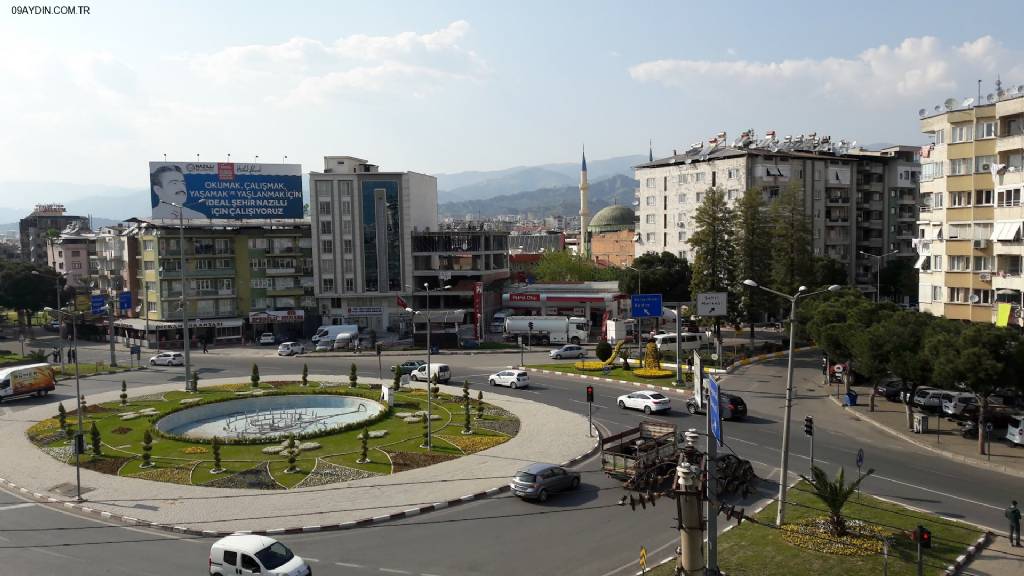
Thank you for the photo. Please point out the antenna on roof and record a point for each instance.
(990, 97)
(949, 104)
(967, 102)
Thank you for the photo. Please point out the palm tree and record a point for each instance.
(834, 494)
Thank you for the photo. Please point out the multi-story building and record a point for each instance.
(969, 232)
(35, 230)
(612, 235)
(858, 200)
(72, 253)
(362, 224)
(10, 248)
(244, 278)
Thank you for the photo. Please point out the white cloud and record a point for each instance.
(914, 68)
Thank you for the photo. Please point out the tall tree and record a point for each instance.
(714, 249)
(828, 271)
(24, 291)
(665, 274)
(565, 267)
(754, 255)
(899, 278)
(792, 257)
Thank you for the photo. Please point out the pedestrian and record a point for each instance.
(205, 346)
(1013, 515)
(55, 355)
(72, 355)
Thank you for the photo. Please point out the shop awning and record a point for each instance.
(1006, 231)
(920, 262)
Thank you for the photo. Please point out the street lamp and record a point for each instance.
(426, 288)
(800, 293)
(78, 400)
(184, 302)
(639, 326)
(878, 270)
(60, 331)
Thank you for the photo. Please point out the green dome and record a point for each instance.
(612, 218)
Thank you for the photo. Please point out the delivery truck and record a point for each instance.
(547, 329)
(35, 379)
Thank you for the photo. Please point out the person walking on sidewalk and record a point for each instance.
(1013, 515)
(205, 346)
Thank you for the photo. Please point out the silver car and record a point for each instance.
(537, 481)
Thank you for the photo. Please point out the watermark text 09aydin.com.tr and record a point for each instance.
(50, 9)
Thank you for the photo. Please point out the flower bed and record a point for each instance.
(653, 373)
(590, 366)
(813, 534)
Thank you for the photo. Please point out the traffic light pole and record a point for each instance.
(920, 558)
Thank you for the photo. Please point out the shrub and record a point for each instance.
(363, 459)
(353, 377)
(479, 404)
(147, 447)
(216, 453)
(255, 377)
(625, 363)
(291, 453)
(62, 417)
(591, 366)
(603, 350)
(124, 393)
(195, 380)
(653, 373)
(397, 383)
(465, 401)
(305, 374)
(96, 440)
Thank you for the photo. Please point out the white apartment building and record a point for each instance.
(362, 226)
(857, 199)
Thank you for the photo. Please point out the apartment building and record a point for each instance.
(858, 200)
(35, 228)
(969, 233)
(362, 223)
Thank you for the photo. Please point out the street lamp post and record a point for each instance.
(426, 288)
(60, 330)
(878, 270)
(639, 326)
(800, 293)
(78, 401)
(184, 287)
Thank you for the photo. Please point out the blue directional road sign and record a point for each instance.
(124, 300)
(860, 457)
(714, 413)
(646, 305)
(97, 302)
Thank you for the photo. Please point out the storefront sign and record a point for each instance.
(365, 311)
(275, 316)
(478, 308)
(519, 297)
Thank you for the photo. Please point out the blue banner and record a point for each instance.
(97, 302)
(226, 191)
(124, 300)
(714, 413)
(646, 305)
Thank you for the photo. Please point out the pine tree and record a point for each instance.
(466, 428)
(305, 374)
(255, 376)
(291, 453)
(480, 405)
(434, 388)
(216, 454)
(147, 447)
(792, 254)
(363, 459)
(97, 442)
(754, 257)
(714, 253)
(195, 380)
(124, 393)
(353, 377)
(62, 418)
(397, 383)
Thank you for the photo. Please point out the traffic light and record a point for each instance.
(590, 393)
(924, 536)
(530, 324)
(380, 348)
(809, 425)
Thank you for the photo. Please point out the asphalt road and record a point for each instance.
(585, 532)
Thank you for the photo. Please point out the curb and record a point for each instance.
(972, 551)
(130, 521)
(107, 373)
(371, 354)
(944, 453)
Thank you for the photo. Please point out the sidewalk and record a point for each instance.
(546, 434)
(997, 559)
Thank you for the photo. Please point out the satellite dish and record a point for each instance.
(974, 298)
(1020, 89)
(991, 97)
(853, 144)
(949, 103)
(922, 112)
(1012, 91)
(937, 108)
(1012, 168)
(967, 102)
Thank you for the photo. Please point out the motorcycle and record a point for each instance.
(968, 429)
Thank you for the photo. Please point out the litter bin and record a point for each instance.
(920, 423)
(850, 398)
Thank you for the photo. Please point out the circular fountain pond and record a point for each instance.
(268, 418)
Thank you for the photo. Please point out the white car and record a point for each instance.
(955, 404)
(267, 338)
(168, 359)
(324, 345)
(646, 401)
(252, 554)
(511, 378)
(290, 349)
(568, 351)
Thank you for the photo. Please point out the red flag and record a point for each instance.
(401, 302)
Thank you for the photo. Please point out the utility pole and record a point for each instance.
(687, 487)
(712, 487)
(110, 319)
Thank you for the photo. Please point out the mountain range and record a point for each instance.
(563, 200)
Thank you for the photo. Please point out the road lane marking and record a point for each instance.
(893, 480)
(582, 402)
(348, 565)
(310, 559)
(17, 506)
(393, 571)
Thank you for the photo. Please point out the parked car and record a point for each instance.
(267, 339)
(253, 554)
(646, 401)
(537, 481)
(730, 406)
(168, 359)
(892, 389)
(928, 398)
(469, 344)
(407, 367)
(511, 378)
(954, 405)
(290, 349)
(52, 326)
(568, 351)
(443, 372)
(324, 346)
(998, 415)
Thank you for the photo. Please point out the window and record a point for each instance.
(981, 296)
(650, 237)
(983, 263)
(681, 198)
(684, 178)
(682, 236)
(982, 197)
(327, 284)
(959, 263)
(732, 194)
(957, 199)
(958, 294)
(937, 200)
(76, 265)
(817, 194)
(983, 163)
(986, 129)
(652, 201)
(227, 284)
(346, 227)
(147, 245)
(940, 136)
(346, 207)
(325, 207)
(327, 246)
(962, 133)
(1008, 197)
(931, 171)
(651, 218)
(78, 253)
(249, 563)
(350, 285)
(327, 266)
(230, 558)
(698, 197)
(936, 262)
(346, 246)
(664, 183)
(257, 263)
(260, 283)
(257, 243)
(959, 232)
(732, 173)
(936, 293)
(698, 178)
(651, 182)
(323, 186)
(959, 166)
(348, 266)
(326, 227)
(149, 265)
(982, 231)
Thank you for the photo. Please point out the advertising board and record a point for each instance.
(226, 190)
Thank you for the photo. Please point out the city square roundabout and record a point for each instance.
(283, 453)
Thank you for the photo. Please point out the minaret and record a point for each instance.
(584, 243)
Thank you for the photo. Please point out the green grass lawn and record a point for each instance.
(616, 373)
(190, 462)
(755, 549)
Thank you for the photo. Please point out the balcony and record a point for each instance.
(837, 199)
(283, 250)
(280, 271)
(293, 291)
(210, 272)
(1008, 143)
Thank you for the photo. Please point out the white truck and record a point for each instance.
(548, 329)
(34, 379)
(498, 320)
(346, 336)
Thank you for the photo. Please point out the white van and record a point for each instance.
(688, 341)
(442, 371)
(253, 554)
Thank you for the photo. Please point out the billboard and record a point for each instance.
(226, 190)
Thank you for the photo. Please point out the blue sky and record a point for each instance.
(451, 86)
